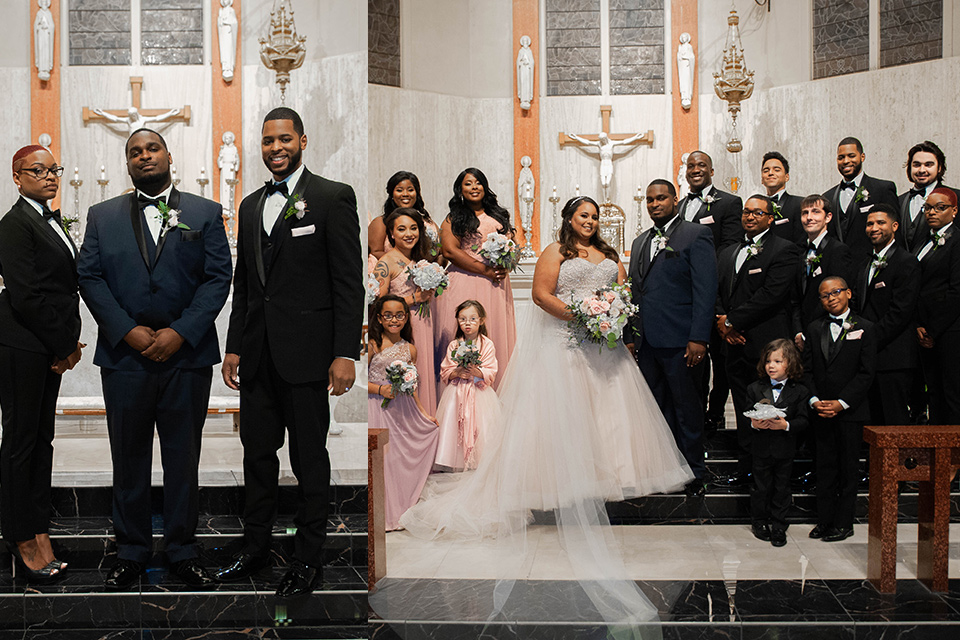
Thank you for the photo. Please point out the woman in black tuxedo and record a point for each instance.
(39, 332)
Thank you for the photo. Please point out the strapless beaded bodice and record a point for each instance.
(377, 372)
(581, 276)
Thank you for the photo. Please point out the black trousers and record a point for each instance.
(771, 495)
(675, 386)
(890, 396)
(741, 371)
(269, 407)
(176, 402)
(716, 400)
(838, 470)
(942, 375)
(28, 400)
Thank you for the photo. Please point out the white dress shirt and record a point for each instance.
(846, 195)
(694, 203)
(53, 223)
(653, 240)
(927, 248)
(880, 254)
(151, 212)
(276, 203)
(742, 255)
(916, 202)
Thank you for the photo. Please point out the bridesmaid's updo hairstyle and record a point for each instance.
(389, 205)
(375, 330)
(568, 239)
(421, 250)
(466, 304)
(463, 220)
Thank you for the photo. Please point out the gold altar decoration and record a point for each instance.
(282, 50)
(733, 83)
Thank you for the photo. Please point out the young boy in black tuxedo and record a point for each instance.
(774, 441)
(840, 360)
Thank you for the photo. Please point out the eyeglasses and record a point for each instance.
(832, 294)
(393, 316)
(756, 213)
(939, 208)
(42, 172)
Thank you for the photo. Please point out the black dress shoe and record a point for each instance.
(244, 566)
(818, 531)
(695, 489)
(837, 534)
(192, 573)
(123, 575)
(778, 537)
(301, 579)
(761, 532)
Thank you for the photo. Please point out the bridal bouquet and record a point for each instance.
(429, 276)
(601, 316)
(500, 251)
(402, 377)
(466, 354)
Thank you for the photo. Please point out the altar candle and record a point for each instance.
(639, 193)
(76, 173)
(578, 191)
(173, 172)
(554, 191)
(103, 172)
(203, 173)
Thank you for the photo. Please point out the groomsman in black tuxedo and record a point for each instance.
(821, 256)
(839, 365)
(926, 165)
(775, 173)
(720, 212)
(154, 270)
(886, 292)
(853, 198)
(673, 269)
(756, 279)
(294, 336)
(938, 311)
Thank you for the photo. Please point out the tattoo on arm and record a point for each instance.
(381, 272)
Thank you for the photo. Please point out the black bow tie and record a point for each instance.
(146, 201)
(876, 256)
(848, 185)
(775, 200)
(47, 214)
(276, 187)
(922, 191)
(778, 386)
(811, 246)
(837, 321)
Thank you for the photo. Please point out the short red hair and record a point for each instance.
(24, 152)
(948, 192)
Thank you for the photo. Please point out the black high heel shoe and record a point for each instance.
(48, 574)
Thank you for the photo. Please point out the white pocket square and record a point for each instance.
(303, 231)
(706, 220)
(866, 208)
(817, 271)
(854, 335)
(782, 221)
(753, 271)
(879, 285)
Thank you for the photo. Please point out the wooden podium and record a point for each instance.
(376, 524)
(930, 455)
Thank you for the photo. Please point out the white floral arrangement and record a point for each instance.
(434, 240)
(428, 276)
(500, 251)
(466, 354)
(601, 316)
(403, 379)
(764, 411)
(169, 218)
(372, 288)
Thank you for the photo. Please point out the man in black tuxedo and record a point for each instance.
(853, 198)
(926, 164)
(720, 212)
(886, 294)
(673, 270)
(774, 174)
(295, 326)
(839, 365)
(938, 311)
(756, 278)
(155, 272)
(821, 256)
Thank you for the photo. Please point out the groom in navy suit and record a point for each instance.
(673, 271)
(154, 270)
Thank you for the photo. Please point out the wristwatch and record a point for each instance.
(727, 323)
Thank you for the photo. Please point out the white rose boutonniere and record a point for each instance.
(709, 200)
(295, 207)
(861, 195)
(169, 218)
(754, 249)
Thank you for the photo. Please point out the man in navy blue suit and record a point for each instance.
(673, 271)
(154, 269)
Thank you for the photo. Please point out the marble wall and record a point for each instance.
(15, 119)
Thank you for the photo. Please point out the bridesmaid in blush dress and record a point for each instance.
(403, 192)
(474, 213)
(410, 245)
(412, 446)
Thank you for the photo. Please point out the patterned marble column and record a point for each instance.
(227, 105)
(686, 122)
(45, 94)
(526, 122)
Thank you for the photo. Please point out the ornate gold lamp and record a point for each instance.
(733, 83)
(282, 50)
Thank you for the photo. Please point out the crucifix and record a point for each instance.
(606, 144)
(134, 117)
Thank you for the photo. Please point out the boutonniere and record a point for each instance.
(67, 223)
(661, 240)
(708, 200)
(754, 249)
(847, 326)
(878, 264)
(938, 238)
(169, 218)
(776, 210)
(861, 194)
(813, 260)
(295, 207)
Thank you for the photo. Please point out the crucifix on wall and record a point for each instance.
(606, 144)
(134, 117)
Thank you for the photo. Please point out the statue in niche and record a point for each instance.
(43, 30)
(227, 36)
(45, 140)
(606, 148)
(525, 191)
(229, 162)
(686, 60)
(134, 119)
(683, 187)
(525, 73)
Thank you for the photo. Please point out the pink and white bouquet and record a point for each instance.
(373, 288)
(500, 251)
(466, 354)
(403, 379)
(601, 316)
(428, 276)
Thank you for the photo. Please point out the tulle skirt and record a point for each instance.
(483, 419)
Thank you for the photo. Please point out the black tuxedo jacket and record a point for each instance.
(849, 374)
(39, 305)
(757, 299)
(854, 232)
(834, 261)
(915, 235)
(308, 303)
(890, 303)
(938, 310)
(794, 400)
(787, 224)
(722, 216)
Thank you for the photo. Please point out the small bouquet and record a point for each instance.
(428, 276)
(500, 251)
(764, 411)
(373, 288)
(434, 238)
(403, 379)
(601, 316)
(466, 354)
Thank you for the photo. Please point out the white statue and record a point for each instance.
(525, 189)
(229, 162)
(45, 140)
(606, 148)
(525, 73)
(43, 29)
(683, 187)
(685, 66)
(227, 36)
(134, 120)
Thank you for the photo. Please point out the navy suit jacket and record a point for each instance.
(677, 291)
(184, 289)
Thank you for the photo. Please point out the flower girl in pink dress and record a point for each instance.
(410, 451)
(469, 408)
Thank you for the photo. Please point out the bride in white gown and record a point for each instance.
(581, 427)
